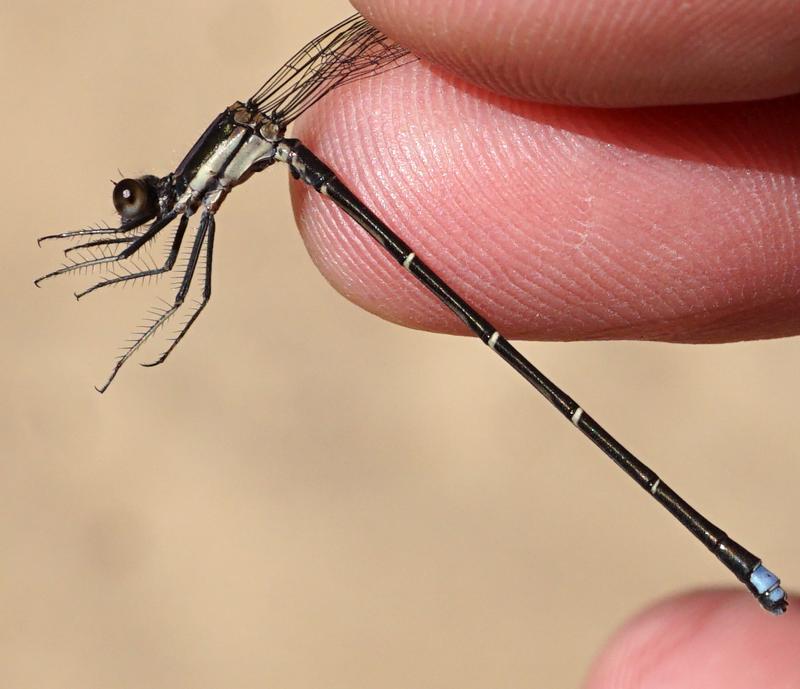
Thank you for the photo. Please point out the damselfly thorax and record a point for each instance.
(239, 142)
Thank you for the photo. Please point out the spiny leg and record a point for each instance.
(100, 242)
(168, 264)
(152, 231)
(162, 318)
(76, 266)
(206, 294)
(155, 228)
(91, 231)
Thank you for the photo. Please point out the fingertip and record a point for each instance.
(701, 640)
(621, 54)
(558, 223)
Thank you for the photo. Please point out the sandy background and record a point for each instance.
(276, 506)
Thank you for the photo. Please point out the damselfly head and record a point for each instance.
(136, 200)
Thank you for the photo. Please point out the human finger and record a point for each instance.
(676, 224)
(606, 52)
(704, 640)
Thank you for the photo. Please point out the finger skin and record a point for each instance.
(676, 224)
(710, 640)
(606, 52)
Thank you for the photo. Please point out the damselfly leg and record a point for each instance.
(160, 319)
(142, 274)
(209, 253)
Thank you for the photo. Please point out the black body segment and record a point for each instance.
(740, 561)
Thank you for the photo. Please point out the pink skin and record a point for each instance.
(677, 223)
(562, 223)
(702, 640)
(608, 53)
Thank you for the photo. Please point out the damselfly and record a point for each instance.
(248, 137)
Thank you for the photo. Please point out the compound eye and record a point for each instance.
(135, 198)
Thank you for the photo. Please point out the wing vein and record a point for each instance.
(351, 50)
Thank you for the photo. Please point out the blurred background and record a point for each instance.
(274, 507)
